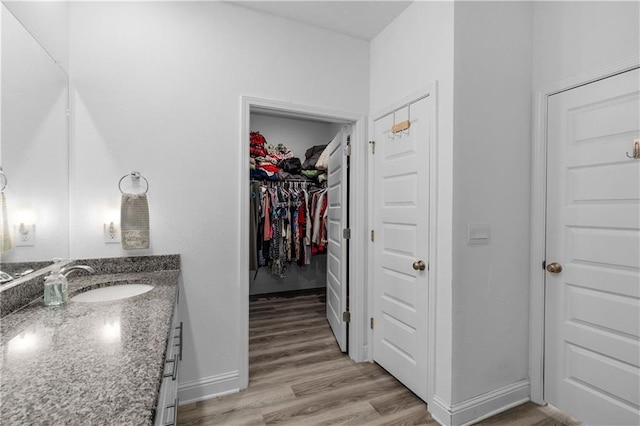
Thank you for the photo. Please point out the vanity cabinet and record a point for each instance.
(167, 409)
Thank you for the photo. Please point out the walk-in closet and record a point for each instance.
(289, 201)
(294, 247)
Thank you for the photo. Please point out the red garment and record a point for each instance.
(257, 138)
(268, 167)
(301, 219)
(257, 151)
(320, 246)
(256, 145)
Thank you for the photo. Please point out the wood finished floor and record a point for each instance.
(298, 376)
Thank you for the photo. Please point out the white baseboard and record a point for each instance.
(480, 407)
(440, 411)
(209, 387)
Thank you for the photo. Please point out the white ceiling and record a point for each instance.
(361, 19)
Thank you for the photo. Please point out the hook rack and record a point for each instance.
(135, 176)
(402, 128)
(4, 179)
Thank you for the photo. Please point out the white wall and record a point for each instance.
(416, 49)
(571, 38)
(48, 22)
(493, 48)
(33, 148)
(157, 88)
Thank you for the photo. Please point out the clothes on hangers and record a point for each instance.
(291, 225)
(254, 206)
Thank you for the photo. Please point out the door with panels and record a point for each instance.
(592, 301)
(401, 243)
(337, 261)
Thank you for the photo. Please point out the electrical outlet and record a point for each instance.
(111, 233)
(25, 235)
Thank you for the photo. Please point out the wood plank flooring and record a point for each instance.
(298, 376)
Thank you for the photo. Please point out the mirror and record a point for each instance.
(33, 150)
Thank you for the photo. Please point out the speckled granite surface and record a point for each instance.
(87, 363)
(19, 292)
(118, 265)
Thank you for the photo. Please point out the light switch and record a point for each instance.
(478, 233)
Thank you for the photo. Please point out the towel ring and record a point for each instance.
(135, 176)
(4, 180)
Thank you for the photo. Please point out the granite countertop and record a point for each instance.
(87, 363)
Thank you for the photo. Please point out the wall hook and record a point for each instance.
(636, 150)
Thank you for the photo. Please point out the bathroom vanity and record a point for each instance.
(104, 362)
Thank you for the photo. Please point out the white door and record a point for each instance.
(401, 234)
(337, 244)
(592, 324)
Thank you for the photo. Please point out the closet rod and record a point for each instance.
(305, 182)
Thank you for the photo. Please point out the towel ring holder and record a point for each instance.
(135, 176)
(4, 180)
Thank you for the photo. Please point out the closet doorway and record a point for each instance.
(290, 265)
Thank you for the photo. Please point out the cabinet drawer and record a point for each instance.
(167, 409)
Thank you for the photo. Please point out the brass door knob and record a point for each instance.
(419, 265)
(554, 267)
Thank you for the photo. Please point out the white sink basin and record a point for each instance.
(114, 292)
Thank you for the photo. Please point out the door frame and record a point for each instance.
(357, 215)
(538, 213)
(430, 92)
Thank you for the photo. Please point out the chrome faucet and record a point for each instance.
(69, 269)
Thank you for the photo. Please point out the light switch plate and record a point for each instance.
(111, 233)
(478, 233)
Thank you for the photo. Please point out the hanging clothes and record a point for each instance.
(254, 206)
(287, 215)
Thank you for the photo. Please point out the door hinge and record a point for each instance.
(346, 316)
(544, 265)
(68, 112)
(373, 146)
(371, 322)
(347, 150)
(346, 233)
(373, 235)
